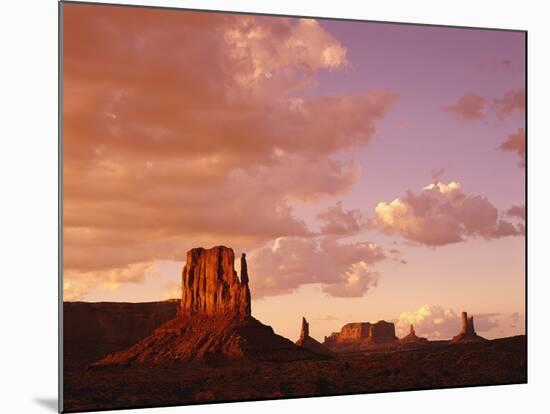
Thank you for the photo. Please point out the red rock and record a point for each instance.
(411, 337)
(467, 333)
(358, 335)
(210, 284)
(311, 344)
(352, 332)
(382, 332)
(214, 322)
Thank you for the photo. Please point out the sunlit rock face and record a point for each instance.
(359, 335)
(378, 332)
(210, 285)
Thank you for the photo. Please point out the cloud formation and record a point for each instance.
(470, 107)
(76, 284)
(343, 269)
(516, 211)
(512, 101)
(441, 214)
(432, 321)
(436, 322)
(172, 290)
(339, 222)
(516, 143)
(195, 133)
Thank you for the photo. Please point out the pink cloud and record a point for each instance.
(337, 221)
(470, 107)
(516, 143)
(344, 269)
(441, 214)
(356, 281)
(516, 211)
(186, 129)
(437, 174)
(512, 101)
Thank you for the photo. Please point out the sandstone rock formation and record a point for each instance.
(359, 335)
(467, 333)
(93, 330)
(412, 338)
(382, 332)
(210, 285)
(304, 333)
(244, 269)
(214, 323)
(310, 343)
(351, 332)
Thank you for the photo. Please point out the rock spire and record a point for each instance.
(467, 331)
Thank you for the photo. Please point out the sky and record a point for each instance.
(370, 171)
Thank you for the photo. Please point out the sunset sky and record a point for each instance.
(370, 171)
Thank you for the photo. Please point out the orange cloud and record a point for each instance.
(186, 129)
(516, 143)
(172, 290)
(76, 283)
(441, 214)
(470, 107)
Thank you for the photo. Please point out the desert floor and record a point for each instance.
(501, 361)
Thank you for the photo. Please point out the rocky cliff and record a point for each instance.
(359, 335)
(214, 323)
(93, 330)
(210, 285)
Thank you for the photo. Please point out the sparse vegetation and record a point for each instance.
(500, 361)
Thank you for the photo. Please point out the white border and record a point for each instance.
(29, 202)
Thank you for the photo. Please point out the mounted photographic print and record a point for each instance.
(258, 207)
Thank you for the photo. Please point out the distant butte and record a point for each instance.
(359, 335)
(311, 344)
(412, 338)
(214, 321)
(467, 333)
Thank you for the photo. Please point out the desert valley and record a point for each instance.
(207, 347)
